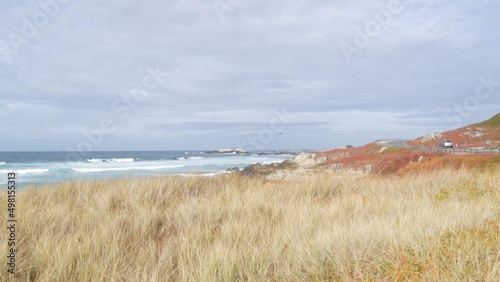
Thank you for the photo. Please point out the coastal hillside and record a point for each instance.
(380, 212)
(484, 134)
(393, 157)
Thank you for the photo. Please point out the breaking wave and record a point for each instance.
(27, 171)
(113, 160)
(125, 168)
(189, 158)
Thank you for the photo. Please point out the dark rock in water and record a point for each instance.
(349, 146)
(234, 169)
(276, 153)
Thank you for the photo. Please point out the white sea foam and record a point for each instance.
(189, 158)
(26, 171)
(125, 168)
(113, 160)
(124, 160)
(2, 163)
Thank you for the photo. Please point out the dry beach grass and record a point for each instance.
(434, 226)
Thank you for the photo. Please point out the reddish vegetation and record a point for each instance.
(405, 160)
(399, 161)
(475, 135)
(455, 161)
(467, 137)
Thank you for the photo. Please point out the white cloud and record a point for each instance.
(229, 75)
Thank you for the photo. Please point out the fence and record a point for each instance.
(458, 150)
(451, 150)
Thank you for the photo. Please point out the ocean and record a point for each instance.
(39, 168)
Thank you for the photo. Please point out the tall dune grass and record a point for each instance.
(437, 226)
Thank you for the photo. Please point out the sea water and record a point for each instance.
(38, 168)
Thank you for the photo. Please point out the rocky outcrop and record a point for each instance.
(432, 136)
(310, 166)
(475, 132)
(300, 166)
(234, 169)
(383, 150)
(293, 174)
(266, 169)
(308, 160)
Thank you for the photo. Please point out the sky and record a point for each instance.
(260, 75)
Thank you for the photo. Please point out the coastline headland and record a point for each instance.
(373, 212)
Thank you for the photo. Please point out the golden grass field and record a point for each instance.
(440, 226)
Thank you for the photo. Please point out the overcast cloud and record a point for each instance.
(229, 78)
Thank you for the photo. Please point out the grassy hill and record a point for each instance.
(483, 134)
(438, 226)
(377, 159)
(492, 122)
(418, 216)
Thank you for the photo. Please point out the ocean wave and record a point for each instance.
(125, 168)
(113, 160)
(26, 171)
(2, 163)
(189, 158)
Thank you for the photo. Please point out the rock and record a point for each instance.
(304, 157)
(421, 159)
(266, 169)
(227, 151)
(255, 169)
(368, 168)
(309, 160)
(234, 169)
(349, 147)
(382, 150)
(432, 136)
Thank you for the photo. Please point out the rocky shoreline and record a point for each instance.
(304, 166)
(385, 157)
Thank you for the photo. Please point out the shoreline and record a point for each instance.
(371, 159)
(118, 178)
(47, 168)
